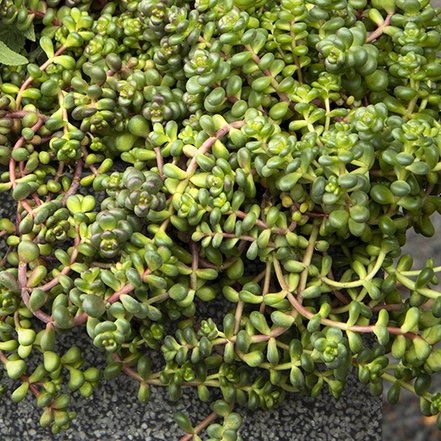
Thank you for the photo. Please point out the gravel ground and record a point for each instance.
(114, 413)
(404, 421)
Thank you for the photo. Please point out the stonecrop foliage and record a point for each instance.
(298, 137)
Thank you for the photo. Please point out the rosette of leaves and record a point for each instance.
(108, 335)
(138, 192)
(68, 146)
(345, 50)
(110, 232)
(163, 105)
(9, 294)
(332, 350)
(56, 227)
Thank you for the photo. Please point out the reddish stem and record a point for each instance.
(377, 33)
(23, 113)
(12, 163)
(210, 141)
(22, 280)
(33, 389)
(393, 307)
(42, 68)
(282, 95)
(312, 214)
(125, 290)
(18, 144)
(5, 258)
(327, 322)
(194, 265)
(210, 418)
(130, 372)
(262, 224)
(160, 162)
(207, 264)
(91, 166)
(39, 14)
(75, 182)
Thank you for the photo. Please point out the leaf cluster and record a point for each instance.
(274, 156)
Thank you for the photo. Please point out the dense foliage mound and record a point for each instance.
(297, 138)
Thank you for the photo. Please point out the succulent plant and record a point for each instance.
(268, 133)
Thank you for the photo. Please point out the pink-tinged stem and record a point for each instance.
(22, 280)
(33, 389)
(194, 265)
(160, 162)
(233, 236)
(127, 370)
(207, 264)
(12, 163)
(266, 284)
(153, 378)
(36, 198)
(238, 315)
(23, 113)
(210, 141)
(306, 261)
(158, 298)
(126, 289)
(115, 296)
(292, 225)
(3, 358)
(23, 378)
(5, 257)
(280, 276)
(282, 95)
(338, 118)
(261, 224)
(91, 166)
(75, 182)
(39, 14)
(54, 282)
(193, 163)
(19, 218)
(338, 293)
(377, 33)
(200, 426)
(42, 68)
(393, 307)
(27, 207)
(343, 326)
(312, 214)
